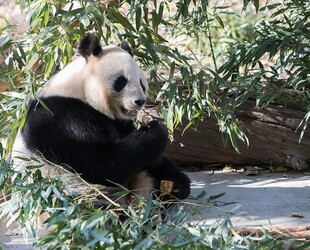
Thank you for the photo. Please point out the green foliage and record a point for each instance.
(75, 223)
(283, 40)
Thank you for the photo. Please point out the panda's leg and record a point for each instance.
(141, 185)
(166, 170)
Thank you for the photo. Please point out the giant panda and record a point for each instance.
(84, 119)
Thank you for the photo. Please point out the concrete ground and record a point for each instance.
(266, 199)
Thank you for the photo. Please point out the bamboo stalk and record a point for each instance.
(282, 233)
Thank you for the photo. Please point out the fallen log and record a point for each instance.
(271, 132)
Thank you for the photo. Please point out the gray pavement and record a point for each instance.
(266, 199)
(10, 239)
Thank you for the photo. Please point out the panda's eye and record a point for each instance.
(142, 86)
(120, 83)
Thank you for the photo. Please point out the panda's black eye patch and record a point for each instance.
(142, 86)
(120, 83)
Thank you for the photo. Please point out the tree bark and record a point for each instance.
(271, 132)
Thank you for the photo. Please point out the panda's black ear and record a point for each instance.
(89, 45)
(125, 46)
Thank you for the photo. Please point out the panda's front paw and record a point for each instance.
(175, 187)
(181, 189)
(157, 127)
(156, 135)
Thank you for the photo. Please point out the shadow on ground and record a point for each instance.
(253, 200)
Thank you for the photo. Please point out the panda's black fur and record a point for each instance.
(102, 149)
(89, 46)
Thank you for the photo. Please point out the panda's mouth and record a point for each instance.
(129, 112)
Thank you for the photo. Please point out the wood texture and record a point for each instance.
(271, 132)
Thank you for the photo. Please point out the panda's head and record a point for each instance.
(113, 82)
(107, 78)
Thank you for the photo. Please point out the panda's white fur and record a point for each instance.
(92, 82)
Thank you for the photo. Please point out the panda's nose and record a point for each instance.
(140, 102)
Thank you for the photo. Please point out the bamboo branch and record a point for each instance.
(280, 233)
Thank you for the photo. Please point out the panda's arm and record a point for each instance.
(119, 160)
(142, 146)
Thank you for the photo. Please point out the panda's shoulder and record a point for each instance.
(66, 109)
(58, 104)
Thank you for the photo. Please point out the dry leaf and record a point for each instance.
(278, 169)
(229, 168)
(250, 172)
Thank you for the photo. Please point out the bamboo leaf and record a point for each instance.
(33, 60)
(122, 20)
